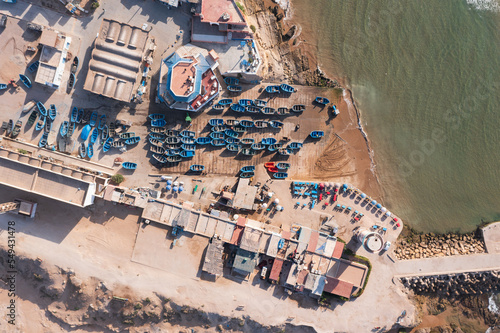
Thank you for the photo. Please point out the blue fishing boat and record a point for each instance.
(94, 135)
(74, 114)
(83, 150)
(133, 140)
(234, 88)
(282, 111)
(237, 108)
(287, 88)
(9, 1)
(259, 102)
(155, 142)
(248, 152)
(63, 130)
(247, 123)
(276, 124)
(71, 80)
(79, 118)
(234, 147)
(253, 109)
(34, 66)
(156, 116)
(187, 153)
(247, 174)
(321, 100)
(188, 134)
(317, 134)
(160, 158)
(127, 135)
(93, 119)
(203, 140)
(157, 136)
(225, 101)
(172, 132)
(273, 89)
(52, 112)
(268, 141)
(217, 135)
(247, 141)
(188, 140)
(280, 175)
(41, 108)
(268, 110)
(90, 150)
(232, 140)
(298, 108)
(220, 128)
(129, 165)
(218, 107)
(188, 147)
(218, 142)
(245, 102)
(261, 124)
(173, 140)
(230, 133)
(281, 243)
(275, 147)
(40, 123)
(107, 145)
(104, 133)
(295, 145)
(3, 86)
(248, 168)
(197, 168)
(71, 129)
(283, 165)
(85, 132)
(258, 146)
(102, 122)
(173, 152)
(158, 123)
(43, 140)
(25, 80)
(335, 111)
(216, 122)
(284, 152)
(231, 81)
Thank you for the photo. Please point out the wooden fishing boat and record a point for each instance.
(253, 109)
(187, 153)
(79, 116)
(232, 140)
(220, 128)
(83, 150)
(41, 108)
(156, 116)
(71, 80)
(189, 134)
(261, 124)
(156, 130)
(247, 141)
(173, 152)
(273, 89)
(74, 114)
(71, 129)
(230, 133)
(30, 106)
(90, 150)
(276, 124)
(32, 117)
(232, 122)
(129, 165)
(237, 108)
(170, 146)
(172, 140)
(133, 140)
(112, 129)
(247, 174)
(269, 165)
(248, 168)
(287, 88)
(160, 158)
(188, 140)
(239, 129)
(322, 100)
(247, 123)
(203, 140)
(102, 122)
(25, 80)
(86, 117)
(104, 133)
(298, 108)
(280, 175)
(282, 111)
(154, 149)
(218, 107)
(191, 147)
(17, 129)
(10, 127)
(52, 112)
(268, 111)
(107, 145)
(245, 102)
(284, 152)
(216, 122)
(248, 152)
(217, 135)
(48, 125)
(158, 136)
(218, 142)
(158, 123)
(234, 147)
(259, 102)
(317, 134)
(273, 169)
(268, 141)
(43, 140)
(127, 135)
(226, 101)
(34, 66)
(258, 146)
(234, 88)
(283, 165)
(120, 144)
(174, 159)
(295, 145)
(93, 119)
(74, 65)
(230, 81)
(275, 147)
(172, 132)
(197, 168)
(41, 123)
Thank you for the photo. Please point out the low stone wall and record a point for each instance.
(453, 285)
(431, 245)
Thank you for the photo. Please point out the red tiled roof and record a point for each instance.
(301, 278)
(313, 241)
(276, 270)
(337, 251)
(242, 221)
(213, 10)
(338, 287)
(285, 234)
(237, 233)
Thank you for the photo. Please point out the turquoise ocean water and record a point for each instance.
(426, 77)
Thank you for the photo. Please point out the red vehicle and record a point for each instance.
(335, 198)
(320, 196)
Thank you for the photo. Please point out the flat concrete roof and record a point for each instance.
(221, 12)
(245, 195)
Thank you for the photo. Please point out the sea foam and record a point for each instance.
(491, 5)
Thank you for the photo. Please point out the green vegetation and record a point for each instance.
(22, 151)
(95, 5)
(252, 27)
(365, 261)
(117, 179)
(138, 306)
(240, 6)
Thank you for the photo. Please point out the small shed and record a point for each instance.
(245, 195)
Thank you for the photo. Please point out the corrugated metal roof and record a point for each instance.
(276, 270)
(338, 287)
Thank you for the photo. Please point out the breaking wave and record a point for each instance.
(490, 5)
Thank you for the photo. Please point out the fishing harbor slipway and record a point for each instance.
(284, 217)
